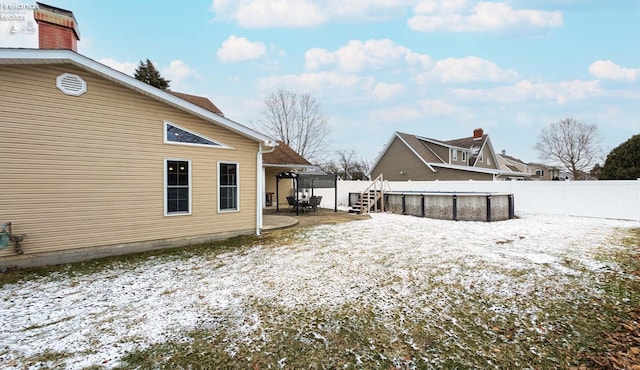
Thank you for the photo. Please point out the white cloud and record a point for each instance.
(436, 107)
(178, 72)
(401, 113)
(561, 92)
(417, 112)
(383, 91)
(464, 70)
(306, 13)
(270, 13)
(239, 49)
(365, 10)
(337, 86)
(474, 16)
(608, 70)
(357, 56)
(124, 67)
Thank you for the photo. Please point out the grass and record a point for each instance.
(477, 331)
(556, 326)
(133, 260)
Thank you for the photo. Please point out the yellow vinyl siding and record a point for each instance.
(89, 171)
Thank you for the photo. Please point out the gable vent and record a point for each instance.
(71, 84)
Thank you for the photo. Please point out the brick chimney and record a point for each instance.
(57, 28)
(477, 133)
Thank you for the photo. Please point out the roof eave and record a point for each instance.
(42, 56)
(467, 168)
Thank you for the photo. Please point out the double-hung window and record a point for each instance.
(228, 186)
(177, 187)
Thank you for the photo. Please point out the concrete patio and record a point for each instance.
(284, 219)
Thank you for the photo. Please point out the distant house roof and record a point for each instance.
(426, 151)
(419, 146)
(200, 101)
(284, 156)
(473, 144)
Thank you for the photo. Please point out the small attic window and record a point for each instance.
(175, 134)
(71, 84)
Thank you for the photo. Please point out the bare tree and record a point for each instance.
(361, 167)
(571, 143)
(297, 120)
(346, 161)
(347, 166)
(329, 167)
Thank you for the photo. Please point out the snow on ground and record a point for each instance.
(387, 262)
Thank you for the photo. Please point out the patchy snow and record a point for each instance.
(388, 262)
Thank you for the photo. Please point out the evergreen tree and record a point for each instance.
(147, 72)
(623, 163)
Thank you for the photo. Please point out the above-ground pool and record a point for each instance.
(458, 206)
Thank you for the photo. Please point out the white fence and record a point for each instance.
(602, 199)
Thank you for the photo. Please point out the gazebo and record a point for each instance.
(314, 180)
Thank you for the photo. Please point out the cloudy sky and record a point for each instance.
(435, 68)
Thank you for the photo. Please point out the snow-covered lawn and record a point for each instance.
(402, 268)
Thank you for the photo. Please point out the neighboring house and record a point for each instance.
(510, 164)
(530, 171)
(541, 171)
(96, 163)
(417, 158)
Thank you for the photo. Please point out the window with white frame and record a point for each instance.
(454, 155)
(228, 194)
(464, 156)
(177, 187)
(539, 173)
(480, 157)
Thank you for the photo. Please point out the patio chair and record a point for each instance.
(314, 202)
(292, 203)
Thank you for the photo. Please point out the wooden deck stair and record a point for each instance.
(372, 198)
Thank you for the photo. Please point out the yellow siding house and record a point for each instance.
(94, 162)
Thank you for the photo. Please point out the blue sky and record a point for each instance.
(434, 68)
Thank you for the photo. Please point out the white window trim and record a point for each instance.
(454, 154)
(464, 156)
(481, 157)
(164, 138)
(237, 186)
(166, 183)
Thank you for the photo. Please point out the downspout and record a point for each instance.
(260, 182)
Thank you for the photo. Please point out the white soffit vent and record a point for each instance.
(71, 84)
